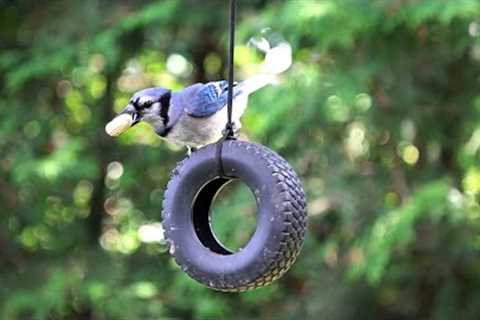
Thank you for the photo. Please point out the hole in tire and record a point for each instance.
(233, 215)
(224, 215)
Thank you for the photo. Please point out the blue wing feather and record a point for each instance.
(209, 99)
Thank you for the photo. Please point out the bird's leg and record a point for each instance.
(190, 150)
(228, 130)
(236, 129)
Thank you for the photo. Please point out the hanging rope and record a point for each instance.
(229, 127)
(229, 132)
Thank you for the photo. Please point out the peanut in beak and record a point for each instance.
(119, 125)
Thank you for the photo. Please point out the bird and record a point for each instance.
(196, 115)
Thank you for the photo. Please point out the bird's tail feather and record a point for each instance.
(255, 83)
(277, 60)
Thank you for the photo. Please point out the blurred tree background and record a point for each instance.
(380, 116)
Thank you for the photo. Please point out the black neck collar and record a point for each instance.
(165, 101)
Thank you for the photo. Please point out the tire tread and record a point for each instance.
(292, 208)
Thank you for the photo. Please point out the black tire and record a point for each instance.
(281, 216)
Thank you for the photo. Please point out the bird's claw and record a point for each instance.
(190, 150)
(230, 131)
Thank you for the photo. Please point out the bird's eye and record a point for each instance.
(147, 104)
(141, 104)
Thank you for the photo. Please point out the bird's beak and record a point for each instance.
(123, 121)
(132, 111)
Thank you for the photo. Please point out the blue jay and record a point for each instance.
(196, 115)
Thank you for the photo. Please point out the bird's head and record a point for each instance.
(150, 105)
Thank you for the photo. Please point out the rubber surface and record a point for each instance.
(281, 216)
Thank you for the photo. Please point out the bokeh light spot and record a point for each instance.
(471, 181)
(411, 154)
(144, 289)
(363, 101)
(114, 170)
(212, 63)
(391, 200)
(82, 193)
(178, 65)
(151, 233)
(337, 110)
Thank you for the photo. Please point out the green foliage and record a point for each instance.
(396, 229)
(380, 116)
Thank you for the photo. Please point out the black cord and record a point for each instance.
(229, 132)
(229, 127)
